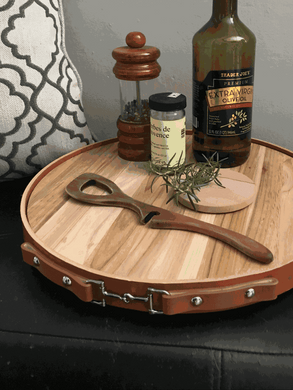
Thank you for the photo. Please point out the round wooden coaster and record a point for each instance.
(239, 192)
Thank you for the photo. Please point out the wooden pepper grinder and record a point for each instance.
(136, 68)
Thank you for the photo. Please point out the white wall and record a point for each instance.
(95, 27)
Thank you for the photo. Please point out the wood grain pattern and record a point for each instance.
(110, 240)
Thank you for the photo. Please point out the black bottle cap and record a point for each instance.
(167, 101)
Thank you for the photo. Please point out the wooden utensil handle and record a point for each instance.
(244, 244)
(164, 219)
(114, 197)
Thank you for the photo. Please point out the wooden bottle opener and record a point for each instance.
(159, 218)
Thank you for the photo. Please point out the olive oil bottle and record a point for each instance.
(223, 76)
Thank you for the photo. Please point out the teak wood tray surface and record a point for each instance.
(104, 255)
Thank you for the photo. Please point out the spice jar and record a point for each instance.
(136, 68)
(168, 128)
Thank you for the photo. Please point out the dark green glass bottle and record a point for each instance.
(223, 76)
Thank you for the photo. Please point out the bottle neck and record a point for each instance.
(224, 8)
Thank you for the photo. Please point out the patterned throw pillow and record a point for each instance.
(41, 114)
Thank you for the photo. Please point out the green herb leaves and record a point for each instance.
(186, 178)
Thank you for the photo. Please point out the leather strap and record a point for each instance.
(56, 273)
(222, 298)
(152, 300)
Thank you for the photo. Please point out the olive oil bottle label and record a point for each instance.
(222, 103)
(168, 141)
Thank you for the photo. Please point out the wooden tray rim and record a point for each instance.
(87, 272)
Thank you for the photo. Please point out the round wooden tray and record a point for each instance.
(104, 255)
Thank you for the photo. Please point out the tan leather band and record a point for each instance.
(153, 300)
(222, 298)
(56, 273)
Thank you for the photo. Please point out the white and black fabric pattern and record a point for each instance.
(41, 113)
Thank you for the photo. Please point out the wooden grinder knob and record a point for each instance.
(135, 39)
(136, 61)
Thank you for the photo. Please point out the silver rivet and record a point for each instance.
(66, 280)
(250, 293)
(196, 301)
(36, 261)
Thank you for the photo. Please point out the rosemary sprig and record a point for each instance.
(186, 178)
